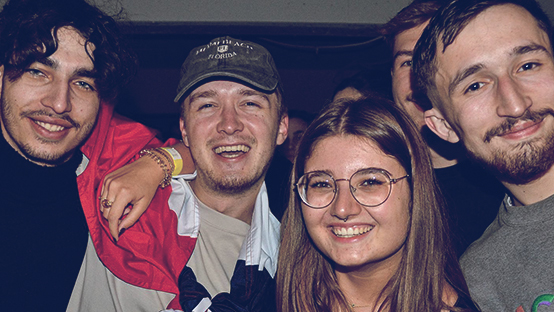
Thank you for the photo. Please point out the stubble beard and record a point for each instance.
(36, 155)
(232, 184)
(527, 161)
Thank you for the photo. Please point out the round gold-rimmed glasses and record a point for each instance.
(370, 187)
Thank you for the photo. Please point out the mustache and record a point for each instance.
(508, 124)
(52, 115)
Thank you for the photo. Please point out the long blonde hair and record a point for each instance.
(305, 278)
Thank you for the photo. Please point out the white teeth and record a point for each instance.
(232, 148)
(351, 232)
(49, 127)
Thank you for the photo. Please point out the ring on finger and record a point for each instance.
(106, 204)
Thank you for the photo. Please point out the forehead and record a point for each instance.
(348, 93)
(489, 40)
(71, 50)
(406, 40)
(225, 88)
(356, 152)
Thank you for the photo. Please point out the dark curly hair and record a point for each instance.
(28, 32)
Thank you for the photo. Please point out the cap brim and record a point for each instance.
(270, 86)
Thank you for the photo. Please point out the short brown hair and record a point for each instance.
(447, 24)
(415, 14)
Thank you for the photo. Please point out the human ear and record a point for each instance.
(283, 129)
(1, 77)
(183, 132)
(436, 122)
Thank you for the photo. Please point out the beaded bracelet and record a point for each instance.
(167, 157)
(152, 153)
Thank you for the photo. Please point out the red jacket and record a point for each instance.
(150, 254)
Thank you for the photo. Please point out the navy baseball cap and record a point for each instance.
(228, 57)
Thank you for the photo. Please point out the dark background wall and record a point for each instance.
(312, 60)
(315, 44)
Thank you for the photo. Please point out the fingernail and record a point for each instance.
(122, 231)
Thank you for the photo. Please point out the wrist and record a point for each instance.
(163, 161)
(176, 158)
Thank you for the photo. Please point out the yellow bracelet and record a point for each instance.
(177, 160)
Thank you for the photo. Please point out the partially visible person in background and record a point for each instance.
(278, 174)
(298, 122)
(364, 230)
(363, 84)
(470, 202)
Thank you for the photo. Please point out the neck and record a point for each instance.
(363, 286)
(16, 148)
(239, 205)
(443, 154)
(439, 161)
(534, 191)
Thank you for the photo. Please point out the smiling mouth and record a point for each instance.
(48, 126)
(351, 231)
(521, 127)
(231, 151)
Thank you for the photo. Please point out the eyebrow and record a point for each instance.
(519, 50)
(402, 53)
(205, 94)
(463, 74)
(246, 92)
(79, 72)
(243, 92)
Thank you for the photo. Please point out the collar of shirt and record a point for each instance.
(261, 245)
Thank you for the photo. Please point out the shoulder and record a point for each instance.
(449, 295)
(461, 303)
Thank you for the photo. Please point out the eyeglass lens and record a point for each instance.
(370, 187)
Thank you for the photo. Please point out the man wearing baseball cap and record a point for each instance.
(216, 221)
(232, 118)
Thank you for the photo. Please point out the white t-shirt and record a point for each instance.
(217, 249)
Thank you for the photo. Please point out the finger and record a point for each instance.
(100, 205)
(105, 206)
(114, 216)
(134, 214)
(105, 186)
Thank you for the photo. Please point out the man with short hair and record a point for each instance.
(232, 119)
(471, 203)
(216, 220)
(488, 68)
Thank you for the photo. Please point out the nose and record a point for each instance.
(513, 100)
(58, 97)
(345, 205)
(230, 121)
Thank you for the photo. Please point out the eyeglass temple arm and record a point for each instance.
(398, 179)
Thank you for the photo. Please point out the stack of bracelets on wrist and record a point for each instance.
(155, 153)
(177, 160)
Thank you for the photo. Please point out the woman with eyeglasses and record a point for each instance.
(365, 230)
